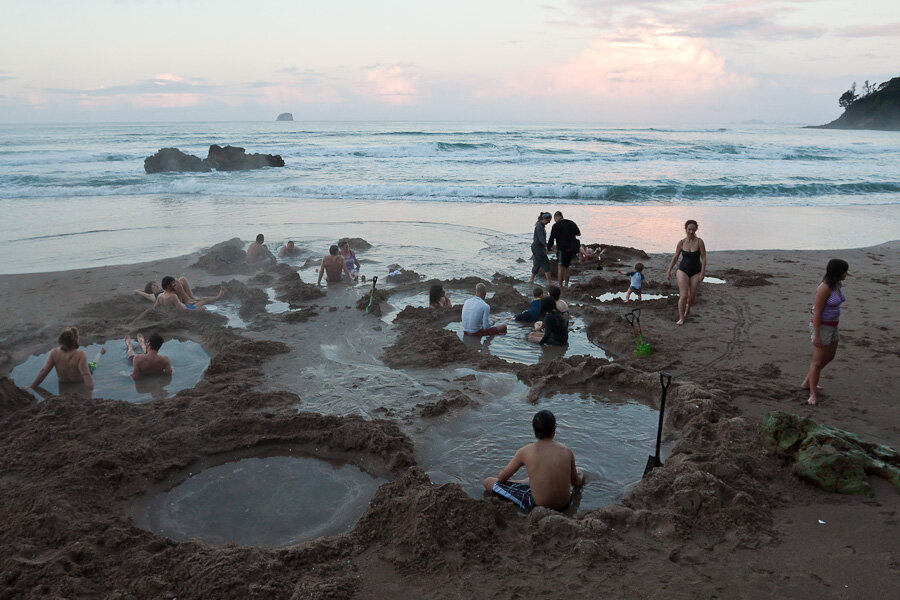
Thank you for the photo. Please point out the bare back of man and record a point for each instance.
(334, 265)
(551, 472)
(71, 365)
(148, 363)
(169, 299)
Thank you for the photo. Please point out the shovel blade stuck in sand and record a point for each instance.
(372, 295)
(653, 460)
(642, 348)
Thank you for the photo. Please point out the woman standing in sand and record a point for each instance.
(540, 260)
(691, 269)
(823, 326)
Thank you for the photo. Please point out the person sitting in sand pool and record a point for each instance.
(438, 298)
(533, 312)
(288, 250)
(350, 258)
(554, 329)
(637, 281)
(691, 269)
(150, 362)
(334, 267)
(170, 298)
(561, 305)
(257, 252)
(551, 470)
(71, 364)
(476, 315)
(152, 291)
(823, 326)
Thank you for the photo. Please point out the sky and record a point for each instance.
(599, 61)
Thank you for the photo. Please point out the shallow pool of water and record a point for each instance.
(515, 347)
(272, 501)
(111, 379)
(611, 434)
(713, 280)
(231, 311)
(608, 296)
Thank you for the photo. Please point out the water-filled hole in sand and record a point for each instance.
(610, 432)
(267, 501)
(610, 296)
(231, 311)
(515, 347)
(111, 378)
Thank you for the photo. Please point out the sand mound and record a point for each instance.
(431, 317)
(12, 398)
(356, 244)
(376, 297)
(403, 277)
(226, 258)
(507, 298)
(500, 278)
(445, 402)
(620, 253)
(436, 348)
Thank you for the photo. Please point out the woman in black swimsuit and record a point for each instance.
(691, 269)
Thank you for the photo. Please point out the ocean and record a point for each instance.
(77, 194)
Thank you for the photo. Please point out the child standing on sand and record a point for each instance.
(551, 470)
(637, 281)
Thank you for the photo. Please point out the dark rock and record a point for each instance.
(173, 159)
(879, 110)
(234, 158)
(285, 117)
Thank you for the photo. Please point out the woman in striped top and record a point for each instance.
(823, 326)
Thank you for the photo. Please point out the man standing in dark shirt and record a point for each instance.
(564, 233)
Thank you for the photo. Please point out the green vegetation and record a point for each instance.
(876, 106)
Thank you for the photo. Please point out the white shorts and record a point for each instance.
(828, 333)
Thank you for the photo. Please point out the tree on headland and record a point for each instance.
(876, 106)
(848, 97)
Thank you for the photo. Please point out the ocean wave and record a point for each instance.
(211, 185)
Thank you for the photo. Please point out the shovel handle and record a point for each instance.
(630, 318)
(664, 380)
(374, 281)
(637, 314)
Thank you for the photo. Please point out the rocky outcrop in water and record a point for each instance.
(877, 110)
(229, 158)
(285, 117)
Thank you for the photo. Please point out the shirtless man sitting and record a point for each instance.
(170, 297)
(333, 266)
(288, 250)
(257, 252)
(150, 362)
(71, 364)
(551, 470)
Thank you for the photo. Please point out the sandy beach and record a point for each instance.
(725, 517)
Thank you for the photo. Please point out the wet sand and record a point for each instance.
(723, 518)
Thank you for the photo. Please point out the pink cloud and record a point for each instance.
(639, 63)
(392, 84)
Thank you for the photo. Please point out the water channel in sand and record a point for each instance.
(268, 501)
(611, 433)
(515, 347)
(111, 378)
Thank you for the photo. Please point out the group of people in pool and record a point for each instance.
(72, 365)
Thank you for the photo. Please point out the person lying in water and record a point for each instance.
(152, 291)
(170, 297)
(288, 250)
(71, 364)
(150, 362)
(334, 267)
(551, 470)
